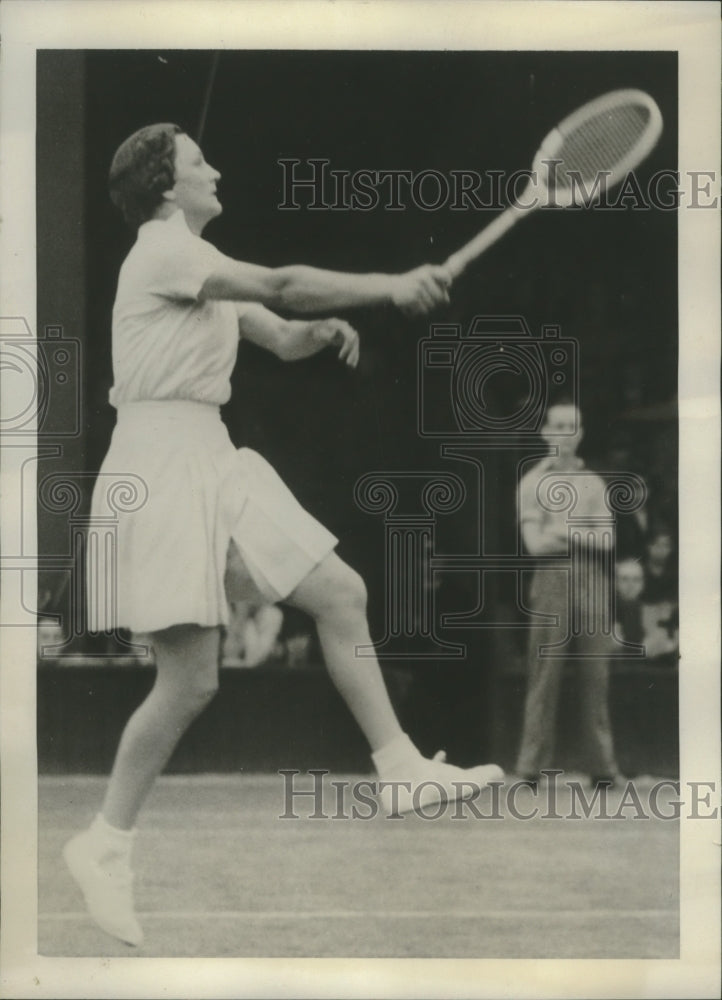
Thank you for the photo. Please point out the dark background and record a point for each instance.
(608, 278)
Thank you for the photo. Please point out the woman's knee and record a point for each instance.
(332, 588)
(346, 590)
(188, 699)
(187, 667)
(202, 694)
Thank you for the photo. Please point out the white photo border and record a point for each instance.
(692, 30)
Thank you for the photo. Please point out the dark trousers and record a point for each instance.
(552, 594)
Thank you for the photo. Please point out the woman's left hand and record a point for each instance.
(338, 333)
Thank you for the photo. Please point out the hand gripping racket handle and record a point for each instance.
(459, 261)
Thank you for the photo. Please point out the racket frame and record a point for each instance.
(553, 142)
(537, 193)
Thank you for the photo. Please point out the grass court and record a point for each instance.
(219, 874)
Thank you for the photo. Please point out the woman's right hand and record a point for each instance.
(419, 291)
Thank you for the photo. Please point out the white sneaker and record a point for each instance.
(436, 782)
(107, 885)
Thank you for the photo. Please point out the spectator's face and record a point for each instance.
(563, 428)
(660, 548)
(630, 580)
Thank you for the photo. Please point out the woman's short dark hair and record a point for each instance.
(142, 169)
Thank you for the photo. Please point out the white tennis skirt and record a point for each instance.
(172, 493)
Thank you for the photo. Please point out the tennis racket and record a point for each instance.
(605, 138)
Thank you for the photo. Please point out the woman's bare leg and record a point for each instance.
(334, 595)
(186, 680)
(99, 858)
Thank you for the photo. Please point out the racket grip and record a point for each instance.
(459, 261)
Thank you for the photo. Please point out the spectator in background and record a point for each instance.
(631, 526)
(546, 533)
(252, 635)
(628, 617)
(660, 598)
(660, 571)
(655, 626)
(661, 633)
(50, 629)
(258, 632)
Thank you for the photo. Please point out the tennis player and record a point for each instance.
(218, 524)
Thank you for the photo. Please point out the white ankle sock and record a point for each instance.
(110, 838)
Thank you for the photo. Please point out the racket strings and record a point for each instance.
(599, 144)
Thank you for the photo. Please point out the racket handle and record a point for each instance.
(459, 261)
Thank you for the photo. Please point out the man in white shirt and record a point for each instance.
(545, 532)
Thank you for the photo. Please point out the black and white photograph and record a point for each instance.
(360, 458)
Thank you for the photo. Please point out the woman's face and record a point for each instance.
(630, 579)
(194, 190)
(660, 548)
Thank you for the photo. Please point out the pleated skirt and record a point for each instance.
(171, 495)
